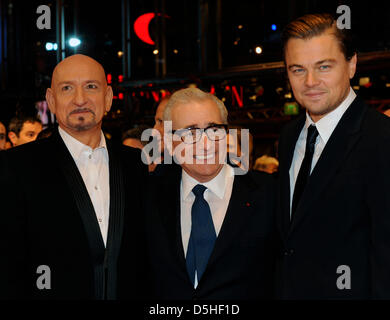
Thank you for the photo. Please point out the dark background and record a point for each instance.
(215, 43)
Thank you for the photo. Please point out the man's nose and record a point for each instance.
(206, 143)
(311, 79)
(80, 98)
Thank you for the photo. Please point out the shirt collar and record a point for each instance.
(328, 123)
(76, 148)
(217, 185)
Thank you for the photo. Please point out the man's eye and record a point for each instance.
(298, 70)
(324, 68)
(91, 86)
(66, 88)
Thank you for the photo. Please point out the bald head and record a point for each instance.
(80, 63)
(79, 95)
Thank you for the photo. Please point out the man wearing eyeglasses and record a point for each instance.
(209, 231)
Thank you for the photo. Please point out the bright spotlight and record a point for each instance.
(258, 50)
(49, 46)
(273, 27)
(74, 42)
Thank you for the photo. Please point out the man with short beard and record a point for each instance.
(70, 206)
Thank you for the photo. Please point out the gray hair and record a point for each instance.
(185, 96)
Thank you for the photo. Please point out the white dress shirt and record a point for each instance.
(217, 195)
(325, 127)
(94, 169)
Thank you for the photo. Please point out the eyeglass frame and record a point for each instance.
(203, 130)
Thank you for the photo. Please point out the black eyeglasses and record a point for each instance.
(214, 132)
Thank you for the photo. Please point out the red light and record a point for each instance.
(212, 90)
(227, 88)
(120, 96)
(120, 78)
(155, 96)
(238, 97)
(141, 27)
(109, 78)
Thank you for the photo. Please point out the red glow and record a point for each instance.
(120, 78)
(239, 98)
(141, 27)
(109, 78)
(120, 95)
(212, 90)
(155, 96)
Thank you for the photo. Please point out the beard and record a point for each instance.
(81, 122)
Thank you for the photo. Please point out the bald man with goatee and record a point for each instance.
(71, 221)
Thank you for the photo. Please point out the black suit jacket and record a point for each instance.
(242, 263)
(343, 218)
(48, 219)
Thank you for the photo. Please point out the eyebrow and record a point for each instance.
(71, 82)
(317, 63)
(196, 126)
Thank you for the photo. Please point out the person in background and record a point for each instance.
(3, 136)
(132, 137)
(237, 156)
(266, 164)
(23, 129)
(157, 169)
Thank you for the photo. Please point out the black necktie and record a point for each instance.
(202, 237)
(304, 171)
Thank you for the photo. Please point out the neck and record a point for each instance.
(90, 137)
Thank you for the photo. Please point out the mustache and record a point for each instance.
(82, 110)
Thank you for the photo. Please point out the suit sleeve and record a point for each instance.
(12, 236)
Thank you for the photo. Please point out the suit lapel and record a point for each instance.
(286, 156)
(169, 210)
(237, 216)
(340, 143)
(116, 217)
(85, 207)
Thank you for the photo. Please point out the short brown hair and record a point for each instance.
(312, 25)
(16, 123)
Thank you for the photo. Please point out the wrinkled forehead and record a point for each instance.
(78, 69)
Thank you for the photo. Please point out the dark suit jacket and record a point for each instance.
(242, 263)
(47, 218)
(343, 218)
